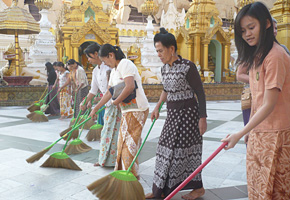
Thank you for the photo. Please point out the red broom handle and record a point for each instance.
(196, 171)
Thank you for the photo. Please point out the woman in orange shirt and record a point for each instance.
(268, 151)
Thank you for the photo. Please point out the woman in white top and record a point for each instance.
(81, 82)
(112, 117)
(65, 95)
(134, 111)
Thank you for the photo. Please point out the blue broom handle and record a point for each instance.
(129, 169)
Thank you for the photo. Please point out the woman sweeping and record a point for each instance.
(112, 118)
(53, 109)
(134, 108)
(268, 150)
(65, 95)
(81, 81)
(179, 148)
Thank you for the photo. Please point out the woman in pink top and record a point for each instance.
(268, 151)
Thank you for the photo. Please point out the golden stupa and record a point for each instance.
(17, 21)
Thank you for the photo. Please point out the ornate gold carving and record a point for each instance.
(90, 25)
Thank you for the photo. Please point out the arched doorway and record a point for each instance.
(82, 56)
(215, 50)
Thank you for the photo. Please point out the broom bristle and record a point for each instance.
(110, 187)
(33, 107)
(61, 163)
(37, 117)
(74, 135)
(77, 148)
(37, 156)
(94, 134)
(72, 121)
(88, 124)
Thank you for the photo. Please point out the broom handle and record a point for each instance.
(42, 93)
(79, 113)
(75, 102)
(196, 171)
(47, 94)
(86, 116)
(128, 170)
(77, 126)
(50, 101)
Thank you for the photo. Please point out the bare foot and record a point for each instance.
(149, 196)
(97, 164)
(194, 194)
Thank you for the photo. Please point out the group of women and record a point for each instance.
(179, 150)
(69, 82)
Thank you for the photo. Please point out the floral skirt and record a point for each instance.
(109, 136)
(268, 165)
(129, 139)
(65, 103)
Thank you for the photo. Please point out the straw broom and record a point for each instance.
(95, 131)
(76, 132)
(120, 184)
(78, 146)
(38, 115)
(196, 171)
(39, 155)
(36, 105)
(61, 159)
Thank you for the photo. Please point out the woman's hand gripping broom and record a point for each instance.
(120, 184)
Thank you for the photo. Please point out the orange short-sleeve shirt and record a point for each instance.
(273, 73)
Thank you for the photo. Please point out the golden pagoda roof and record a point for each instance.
(15, 18)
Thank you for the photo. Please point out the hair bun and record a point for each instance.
(163, 30)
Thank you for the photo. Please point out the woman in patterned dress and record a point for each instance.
(179, 147)
(65, 94)
(112, 117)
(268, 150)
(134, 111)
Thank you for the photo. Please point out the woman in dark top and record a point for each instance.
(53, 108)
(179, 149)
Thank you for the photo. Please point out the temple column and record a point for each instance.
(205, 55)
(190, 52)
(196, 52)
(75, 54)
(59, 48)
(67, 46)
(226, 70)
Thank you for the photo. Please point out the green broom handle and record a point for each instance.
(75, 102)
(77, 126)
(50, 101)
(43, 93)
(85, 116)
(129, 169)
(47, 94)
(80, 113)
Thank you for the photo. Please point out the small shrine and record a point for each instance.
(82, 23)
(202, 35)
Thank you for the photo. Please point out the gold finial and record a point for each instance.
(43, 4)
(149, 7)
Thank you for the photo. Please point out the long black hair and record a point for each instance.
(166, 39)
(49, 68)
(250, 55)
(108, 48)
(91, 49)
(72, 61)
